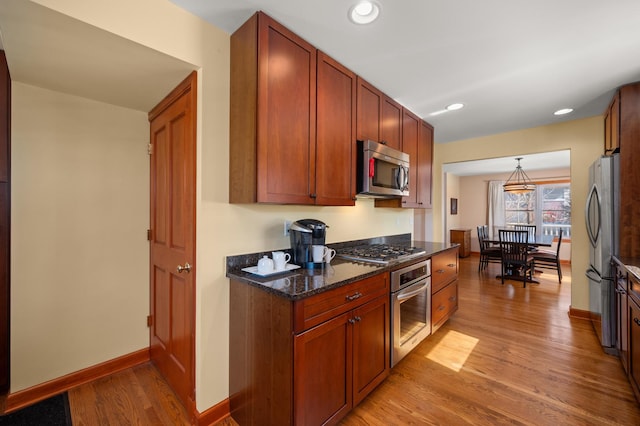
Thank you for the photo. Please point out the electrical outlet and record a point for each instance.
(287, 225)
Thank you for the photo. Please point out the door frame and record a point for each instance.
(189, 84)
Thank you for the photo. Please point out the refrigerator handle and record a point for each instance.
(593, 275)
(592, 233)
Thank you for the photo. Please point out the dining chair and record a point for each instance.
(531, 234)
(488, 252)
(516, 259)
(548, 259)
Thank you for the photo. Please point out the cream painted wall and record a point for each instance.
(585, 140)
(453, 221)
(79, 255)
(222, 229)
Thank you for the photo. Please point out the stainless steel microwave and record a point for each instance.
(383, 172)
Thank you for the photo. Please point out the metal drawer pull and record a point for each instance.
(637, 321)
(354, 296)
(441, 307)
(451, 265)
(440, 271)
(351, 321)
(452, 298)
(358, 318)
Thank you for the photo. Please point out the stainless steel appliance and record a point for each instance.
(380, 253)
(410, 308)
(382, 171)
(602, 228)
(304, 234)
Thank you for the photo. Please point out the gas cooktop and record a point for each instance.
(380, 253)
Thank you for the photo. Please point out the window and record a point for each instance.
(548, 207)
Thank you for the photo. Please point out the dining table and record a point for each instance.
(540, 240)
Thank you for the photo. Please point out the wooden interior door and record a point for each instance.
(172, 238)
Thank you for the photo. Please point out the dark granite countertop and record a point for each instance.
(632, 264)
(300, 283)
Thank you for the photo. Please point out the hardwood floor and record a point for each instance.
(510, 355)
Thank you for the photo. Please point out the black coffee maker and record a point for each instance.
(305, 233)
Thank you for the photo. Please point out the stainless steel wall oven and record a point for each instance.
(410, 308)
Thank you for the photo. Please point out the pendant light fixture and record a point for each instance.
(519, 182)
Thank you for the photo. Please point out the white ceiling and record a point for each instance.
(511, 62)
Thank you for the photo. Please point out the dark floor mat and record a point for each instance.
(50, 412)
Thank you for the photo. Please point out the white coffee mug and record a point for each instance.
(329, 255)
(280, 259)
(265, 265)
(318, 253)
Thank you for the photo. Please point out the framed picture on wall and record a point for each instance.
(454, 206)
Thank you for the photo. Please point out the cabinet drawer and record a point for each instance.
(324, 306)
(443, 303)
(444, 269)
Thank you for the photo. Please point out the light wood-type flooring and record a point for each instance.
(510, 355)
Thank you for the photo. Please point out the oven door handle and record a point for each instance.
(408, 293)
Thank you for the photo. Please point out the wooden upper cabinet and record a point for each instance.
(612, 125)
(273, 110)
(369, 111)
(629, 136)
(379, 118)
(5, 117)
(391, 126)
(336, 134)
(425, 165)
(410, 145)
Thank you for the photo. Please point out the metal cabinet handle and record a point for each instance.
(186, 268)
(351, 321)
(452, 298)
(357, 318)
(451, 265)
(441, 307)
(355, 296)
(637, 321)
(440, 271)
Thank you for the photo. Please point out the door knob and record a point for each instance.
(186, 267)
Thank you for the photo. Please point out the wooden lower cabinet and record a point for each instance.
(306, 362)
(444, 287)
(634, 346)
(462, 237)
(339, 362)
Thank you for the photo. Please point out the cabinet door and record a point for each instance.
(391, 127)
(286, 115)
(323, 371)
(425, 163)
(612, 125)
(371, 348)
(410, 129)
(634, 344)
(369, 111)
(336, 134)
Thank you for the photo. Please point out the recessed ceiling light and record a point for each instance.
(563, 111)
(365, 12)
(454, 107)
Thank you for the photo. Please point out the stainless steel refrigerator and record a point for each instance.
(602, 229)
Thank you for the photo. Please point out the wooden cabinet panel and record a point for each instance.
(321, 307)
(425, 165)
(634, 346)
(443, 304)
(391, 127)
(323, 372)
(371, 347)
(622, 320)
(444, 269)
(336, 134)
(5, 108)
(369, 111)
(410, 143)
(629, 174)
(612, 125)
(462, 237)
